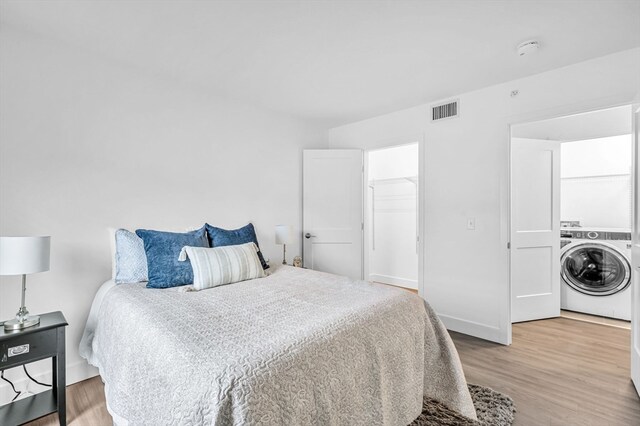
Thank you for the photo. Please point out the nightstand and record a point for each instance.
(45, 340)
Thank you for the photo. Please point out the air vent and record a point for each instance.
(448, 110)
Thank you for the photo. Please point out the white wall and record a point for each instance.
(596, 182)
(395, 162)
(393, 258)
(597, 157)
(87, 144)
(466, 162)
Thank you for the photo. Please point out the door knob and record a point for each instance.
(308, 235)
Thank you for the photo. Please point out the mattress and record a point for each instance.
(297, 347)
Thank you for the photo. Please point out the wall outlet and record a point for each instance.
(471, 223)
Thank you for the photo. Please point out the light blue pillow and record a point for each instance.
(163, 249)
(131, 260)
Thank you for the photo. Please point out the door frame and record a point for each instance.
(393, 143)
(575, 109)
(635, 233)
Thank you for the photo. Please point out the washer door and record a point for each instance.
(596, 269)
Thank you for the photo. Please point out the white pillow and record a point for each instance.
(223, 265)
(131, 259)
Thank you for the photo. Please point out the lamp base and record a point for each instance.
(15, 324)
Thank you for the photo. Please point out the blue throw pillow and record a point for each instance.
(163, 249)
(219, 237)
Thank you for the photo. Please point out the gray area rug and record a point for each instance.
(492, 407)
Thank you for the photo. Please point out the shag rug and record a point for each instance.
(493, 409)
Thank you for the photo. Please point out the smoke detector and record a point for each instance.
(528, 47)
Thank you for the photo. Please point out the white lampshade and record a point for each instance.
(284, 234)
(24, 255)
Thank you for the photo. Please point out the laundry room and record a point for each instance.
(572, 215)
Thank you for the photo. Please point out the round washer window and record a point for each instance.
(595, 269)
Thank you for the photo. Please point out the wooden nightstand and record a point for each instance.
(45, 340)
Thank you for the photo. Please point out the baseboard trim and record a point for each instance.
(476, 329)
(76, 372)
(388, 279)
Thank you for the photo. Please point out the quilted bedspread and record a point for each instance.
(298, 347)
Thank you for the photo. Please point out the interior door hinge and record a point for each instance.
(509, 245)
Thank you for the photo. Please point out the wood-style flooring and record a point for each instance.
(558, 371)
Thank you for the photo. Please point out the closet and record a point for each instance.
(392, 207)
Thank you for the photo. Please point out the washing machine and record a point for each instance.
(595, 265)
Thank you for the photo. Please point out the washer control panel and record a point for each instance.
(595, 235)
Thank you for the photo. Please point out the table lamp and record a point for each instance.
(284, 235)
(22, 256)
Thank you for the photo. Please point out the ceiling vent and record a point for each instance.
(448, 110)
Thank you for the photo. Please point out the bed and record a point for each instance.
(298, 347)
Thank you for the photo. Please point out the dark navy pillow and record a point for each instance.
(163, 249)
(219, 237)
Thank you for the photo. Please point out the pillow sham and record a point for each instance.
(162, 250)
(130, 258)
(216, 266)
(219, 237)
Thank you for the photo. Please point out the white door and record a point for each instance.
(332, 208)
(535, 229)
(635, 284)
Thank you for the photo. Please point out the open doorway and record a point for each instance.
(572, 226)
(571, 217)
(391, 216)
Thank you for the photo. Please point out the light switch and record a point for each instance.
(471, 223)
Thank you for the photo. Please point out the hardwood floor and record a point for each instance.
(558, 371)
(85, 406)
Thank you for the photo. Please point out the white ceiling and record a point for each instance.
(590, 125)
(336, 61)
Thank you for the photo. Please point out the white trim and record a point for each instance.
(397, 281)
(363, 204)
(366, 216)
(505, 196)
(422, 152)
(635, 254)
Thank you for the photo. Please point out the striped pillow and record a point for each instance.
(223, 265)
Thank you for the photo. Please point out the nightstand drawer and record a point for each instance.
(28, 348)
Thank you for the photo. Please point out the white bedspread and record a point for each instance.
(296, 348)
